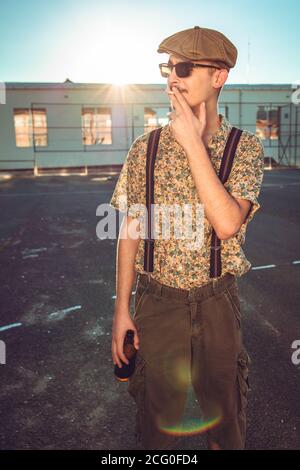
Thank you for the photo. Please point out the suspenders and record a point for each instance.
(224, 172)
(151, 155)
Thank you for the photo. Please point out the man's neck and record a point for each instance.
(213, 121)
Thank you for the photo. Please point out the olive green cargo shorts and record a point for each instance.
(189, 338)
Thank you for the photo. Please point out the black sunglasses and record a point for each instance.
(183, 69)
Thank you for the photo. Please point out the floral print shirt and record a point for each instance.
(175, 263)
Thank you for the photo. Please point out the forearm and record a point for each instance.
(125, 262)
(221, 209)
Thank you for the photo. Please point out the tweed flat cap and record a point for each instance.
(201, 44)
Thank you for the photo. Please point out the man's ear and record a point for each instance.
(221, 77)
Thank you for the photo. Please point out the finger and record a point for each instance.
(114, 352)
(117, 361)
(181, 100)
(174, 103)
(136, 341)
(115, 356)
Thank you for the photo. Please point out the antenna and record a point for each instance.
(248, 60)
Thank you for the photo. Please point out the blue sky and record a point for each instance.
(94, 41)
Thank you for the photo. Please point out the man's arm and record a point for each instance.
(125, 261)
(125, 276)
(221, 209)
(128, 191)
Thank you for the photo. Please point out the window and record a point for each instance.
(28, 123)
(267, 122)
(155, 117)
(96, 126)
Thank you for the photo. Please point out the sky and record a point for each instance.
(93, 41)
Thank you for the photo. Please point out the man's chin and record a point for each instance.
(196, 105)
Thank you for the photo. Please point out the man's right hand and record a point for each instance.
(122, 322)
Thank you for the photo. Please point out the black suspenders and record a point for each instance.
(224, 172)
(150, 162)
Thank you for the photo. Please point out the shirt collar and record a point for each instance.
(221, 134)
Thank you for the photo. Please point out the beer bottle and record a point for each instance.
(122, 373)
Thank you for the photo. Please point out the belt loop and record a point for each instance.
(214, 284)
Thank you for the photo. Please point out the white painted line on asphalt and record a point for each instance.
(282, 185)
(7, 327)
(33, 250)
(265, 267)
(275, 265)
(59, 312)
(271, 327)
(65, 310)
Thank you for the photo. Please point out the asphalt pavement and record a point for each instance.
(57, 288)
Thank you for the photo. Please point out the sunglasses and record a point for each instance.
(183, 69)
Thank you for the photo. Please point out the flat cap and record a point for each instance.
(201, 44)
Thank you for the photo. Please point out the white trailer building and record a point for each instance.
(82, 126)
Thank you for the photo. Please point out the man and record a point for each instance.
(188, 326)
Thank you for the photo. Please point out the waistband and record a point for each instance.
(215, 286)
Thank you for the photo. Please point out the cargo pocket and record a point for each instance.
(243, 378)
(233, 296)
(136, 388)
(243, 389)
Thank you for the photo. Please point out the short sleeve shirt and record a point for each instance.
(175, 264)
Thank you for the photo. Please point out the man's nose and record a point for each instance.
(172, 81)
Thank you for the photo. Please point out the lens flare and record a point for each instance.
(191, 426)
(179, 375)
